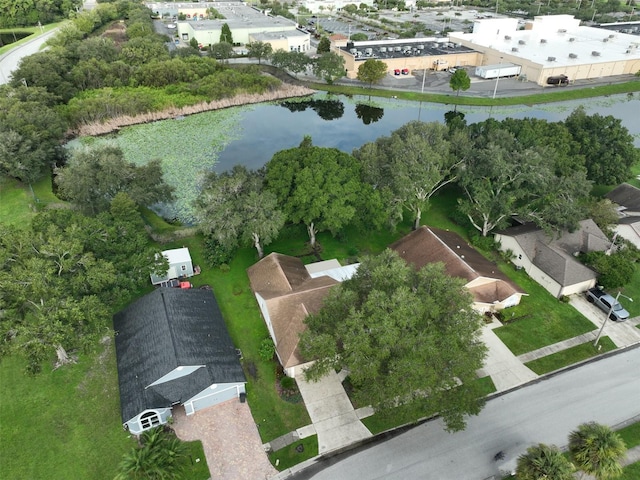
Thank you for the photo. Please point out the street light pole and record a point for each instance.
(595, 344)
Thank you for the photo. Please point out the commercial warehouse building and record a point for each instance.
(407, 55)
(551, 46)
(247, 24)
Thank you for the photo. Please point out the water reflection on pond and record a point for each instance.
(347, 123)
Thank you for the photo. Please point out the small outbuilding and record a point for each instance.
(173, 349)
(180, 266)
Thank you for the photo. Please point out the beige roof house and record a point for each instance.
(491, 289)
(551, 261)
(287, 291)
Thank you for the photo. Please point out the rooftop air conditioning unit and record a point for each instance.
(595, 54)
(562, 30)
(521, 42)
(543, 40)
(573, 55)
(507, 37)
(551, 59)
(605, 40)
(628, 51)
(613, 35)
(572, 39)
(420, 47)
(383, 49)
(514, 49)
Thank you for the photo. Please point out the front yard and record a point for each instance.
(540, 319)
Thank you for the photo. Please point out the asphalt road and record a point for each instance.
(10, 60)
(605, 391)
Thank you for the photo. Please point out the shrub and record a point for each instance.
(613, 270)
(267, 349)
(287, 383)
(216, 253)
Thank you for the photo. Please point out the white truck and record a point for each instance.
(495, 71)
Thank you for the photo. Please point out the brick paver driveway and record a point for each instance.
(230, 440)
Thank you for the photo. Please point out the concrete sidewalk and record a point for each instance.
(504, 368)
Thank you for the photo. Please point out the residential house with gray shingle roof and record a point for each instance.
(551, 260)
(173, 349)
(491, 289)
(627, 197)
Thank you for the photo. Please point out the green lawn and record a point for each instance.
(631, 435)
(62, 424)
(632, 289)
(289, 456)
(15, 202)
(570, 356)
(196, 465)
(540, 319)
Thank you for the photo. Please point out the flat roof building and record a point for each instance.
(553, 45)
(245, 21)
(407, 54)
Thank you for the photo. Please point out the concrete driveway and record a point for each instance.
(230, 440)
(335, 421)
(622, 334)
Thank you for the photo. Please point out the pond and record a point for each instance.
(250, 135)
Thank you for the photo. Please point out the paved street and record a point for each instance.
(10, 60)
(605, 391)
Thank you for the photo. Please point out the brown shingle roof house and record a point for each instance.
(491, 289)
(551, 261)
(287, 291)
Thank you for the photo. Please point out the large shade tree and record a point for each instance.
(60, 277)
(597, 450)
(31, 132)
(543, 462)
(606, 146)
(319, 187)
(407, 337)
(503, 176)
(409, 166)
(235, 209)
(93, 177)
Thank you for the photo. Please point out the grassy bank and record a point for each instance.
(557, 95)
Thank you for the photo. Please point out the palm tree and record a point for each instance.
(158, 457)
(597, 450)
(544, 462)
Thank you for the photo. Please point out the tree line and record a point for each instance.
(84, 77)
(540, 171)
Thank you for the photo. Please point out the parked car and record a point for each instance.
(558, 80)
(396, 71)
(604, 301)
(405, 71)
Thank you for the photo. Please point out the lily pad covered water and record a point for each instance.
(188, 147)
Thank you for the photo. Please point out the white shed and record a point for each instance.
(180, 266)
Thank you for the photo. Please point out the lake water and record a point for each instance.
(251, 134)
(265, 129)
